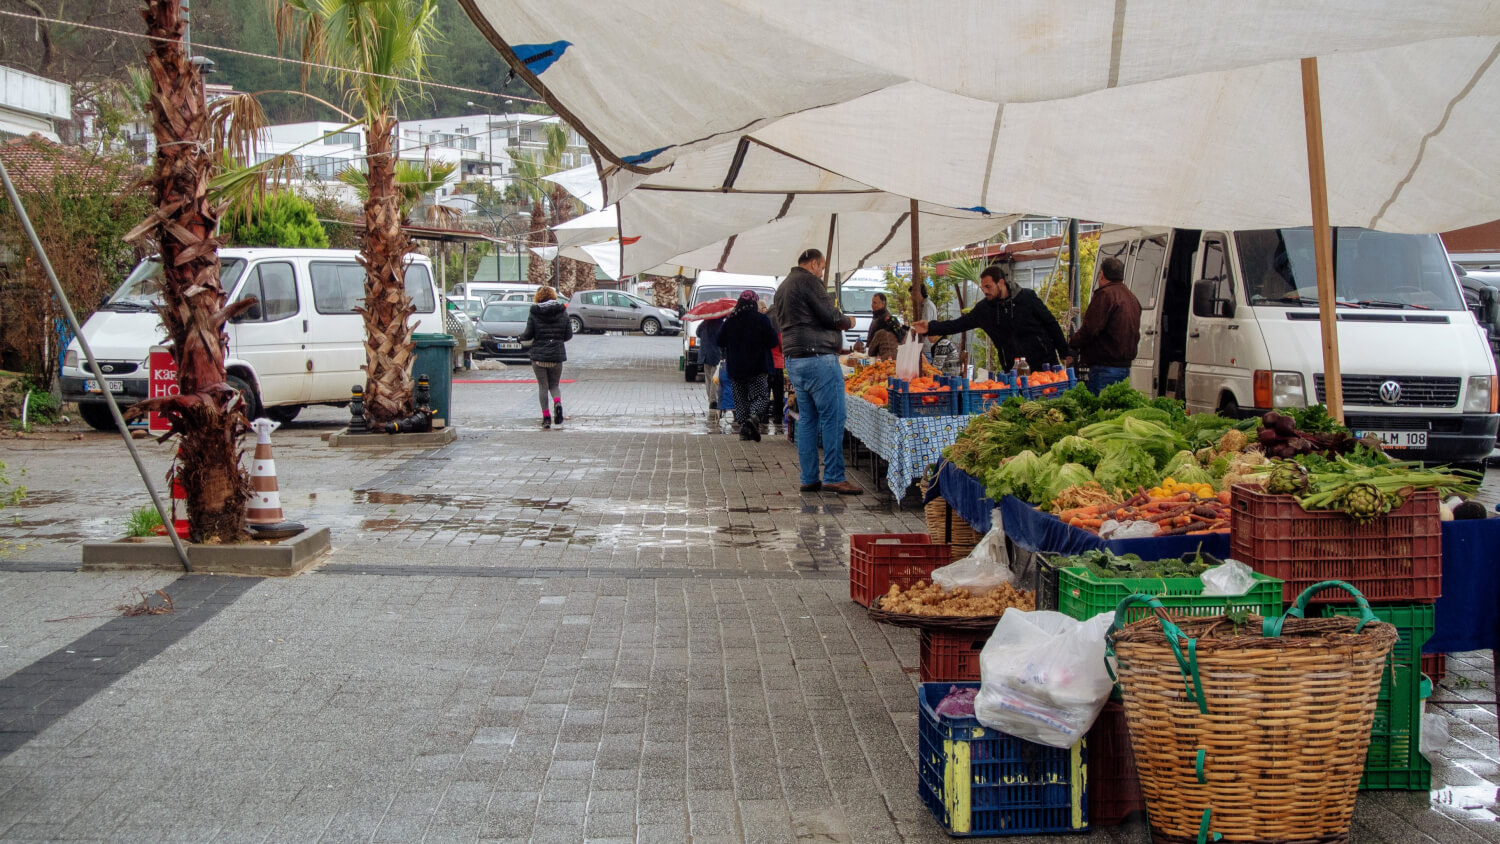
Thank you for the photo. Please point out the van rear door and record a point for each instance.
(1148, 269)
(272, 337)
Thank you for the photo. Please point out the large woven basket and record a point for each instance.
(1243, 732)
(949, 528)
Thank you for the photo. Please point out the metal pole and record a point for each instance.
(916, 266)
(1075, 284)
(88, 353)
(1312, 112)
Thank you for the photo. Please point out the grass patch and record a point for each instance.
(143, 521)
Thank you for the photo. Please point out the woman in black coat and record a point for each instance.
(747, 339)
(548, 329)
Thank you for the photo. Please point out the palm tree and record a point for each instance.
(528, 171)
(206, 415)
(413, 182)
(375, 42)
(572, 275)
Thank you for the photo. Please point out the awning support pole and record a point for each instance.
(1317, 179)
(916, 266)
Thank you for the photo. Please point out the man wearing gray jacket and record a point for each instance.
(811, 332)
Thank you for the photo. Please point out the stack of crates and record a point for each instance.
(1396, 563)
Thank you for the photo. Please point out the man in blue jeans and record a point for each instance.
(810, 338)
(1111, 328)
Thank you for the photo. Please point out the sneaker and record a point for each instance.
(842, 488)
(557, 413)
(745, 434)
(546, 422)
(812, 487)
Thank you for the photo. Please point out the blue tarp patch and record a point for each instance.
(643, 157)
(539, 57)
(980, 208)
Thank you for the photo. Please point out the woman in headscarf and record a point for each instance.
(747, 339)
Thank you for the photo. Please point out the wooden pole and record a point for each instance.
(833, 221)
(916, 266)
(1317, 179)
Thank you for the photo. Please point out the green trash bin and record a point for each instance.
(434, 359)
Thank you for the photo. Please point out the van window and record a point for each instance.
(860, 300)
(709, 294)
(1145, 276)
(274, 285)
(338, 288)
(141, 290)
(1215, 270)
(419, 288)
(1371, 269)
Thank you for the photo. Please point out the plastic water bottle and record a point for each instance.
(1022, 367)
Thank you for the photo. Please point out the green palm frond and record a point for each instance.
(372, 40)
(413, 181)
(528, 170)
(240, 189)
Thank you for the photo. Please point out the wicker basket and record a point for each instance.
(1257, 732)
(949, 528)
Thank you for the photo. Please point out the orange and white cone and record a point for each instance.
(179, 517)
(264, 509)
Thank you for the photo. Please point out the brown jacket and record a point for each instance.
(883, 344)
(1111, 328)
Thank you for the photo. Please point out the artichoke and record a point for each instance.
(1287, 478)
(1363, 503)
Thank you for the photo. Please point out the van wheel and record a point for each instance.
(247, 395)
(283, 413)
(97, 416)
(576, 324)
(650, 326)
(1229, 408)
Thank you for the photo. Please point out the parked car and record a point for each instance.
(462, 327)
(611, 310)
(301, 344)
(500, 328)
(471, 306)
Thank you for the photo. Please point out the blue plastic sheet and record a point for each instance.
(1467, 614)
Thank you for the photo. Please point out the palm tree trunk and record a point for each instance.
(387, 309)
(538, 271)
(207, 414)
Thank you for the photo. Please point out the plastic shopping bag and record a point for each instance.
(1231, 578)
(1042, 676)
(986, 567)
(909, 357)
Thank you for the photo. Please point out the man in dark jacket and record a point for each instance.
(1015, 319)
(747, 339)
(810, 339)
(548, 329)
(1111, 328)
(879, 310)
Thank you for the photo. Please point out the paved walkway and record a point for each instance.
(628, 629)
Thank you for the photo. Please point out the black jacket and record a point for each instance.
(747, 339)
(1019, 326)
(548, 329)
(810, 324)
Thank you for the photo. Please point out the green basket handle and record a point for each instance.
(1271, 628)
(1189, 663)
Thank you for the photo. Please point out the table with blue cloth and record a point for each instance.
(1469, 610)
(908, 446)
(1032, 530)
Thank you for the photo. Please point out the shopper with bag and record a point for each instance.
(746, 340)
(1015, 319)
(548, 330)
(810, 338)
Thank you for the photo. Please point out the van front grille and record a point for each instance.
(1416, 391)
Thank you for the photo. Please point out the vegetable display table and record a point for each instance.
(908, 446)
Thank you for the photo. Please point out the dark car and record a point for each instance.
(500, 327)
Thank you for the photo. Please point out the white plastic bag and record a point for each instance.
(909, 357)
(1042, 676)
(986, 567)
(1434, 735)
(1232, 578)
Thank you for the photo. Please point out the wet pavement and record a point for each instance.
(633, 628)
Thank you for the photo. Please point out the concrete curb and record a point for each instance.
(429, 439)
(262, 558)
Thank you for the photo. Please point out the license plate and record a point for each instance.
(92, 386)
(510, 345)
(1398, 439)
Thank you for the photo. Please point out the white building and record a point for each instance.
(32, 104)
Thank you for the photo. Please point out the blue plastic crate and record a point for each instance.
(907, 404)
(978, 401)
(979, 781)
(1049, 391)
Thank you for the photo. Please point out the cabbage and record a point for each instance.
(1125, 468)
(1179, 462)
(1026, 476)
(1076, 449)
(1193, 474)
(1068, 476)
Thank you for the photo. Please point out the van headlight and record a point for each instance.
(70, 360)
(1480, 396)
(1279, 389)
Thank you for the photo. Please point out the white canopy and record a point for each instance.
(1166, 112)
(592, 227)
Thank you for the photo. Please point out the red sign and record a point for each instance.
(163, 383)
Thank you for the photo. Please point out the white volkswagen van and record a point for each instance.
(856, 298)
(302, 345)
(1229, 323)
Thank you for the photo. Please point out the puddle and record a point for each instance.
(41, 498)
(1475, 802)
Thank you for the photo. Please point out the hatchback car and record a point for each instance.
(500, 328)
(611, 310)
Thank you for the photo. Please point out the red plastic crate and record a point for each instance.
(1435, 666)
(951, 657)
(1398, 557)
(1114, 784)
(876, 560)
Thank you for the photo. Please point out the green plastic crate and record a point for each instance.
(1394, 762)
(1082, 596)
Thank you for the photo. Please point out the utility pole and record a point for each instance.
(1075, 284)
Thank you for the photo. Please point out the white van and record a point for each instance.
(715, 285)
(856, 297)
(302, 345)
(485, 291)
(1229, 323)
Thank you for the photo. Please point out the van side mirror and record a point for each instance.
(250, 314)
(1489, 302)
(1208, 299)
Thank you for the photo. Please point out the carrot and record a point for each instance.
(1088, 523)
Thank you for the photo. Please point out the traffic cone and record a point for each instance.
(179, 523)
(264, 510)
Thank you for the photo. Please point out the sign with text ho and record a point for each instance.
(163, 383)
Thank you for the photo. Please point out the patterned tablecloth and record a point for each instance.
(908, 446)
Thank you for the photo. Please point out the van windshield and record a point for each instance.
(859, 300)
(709, 294)
(141, 290)
(1371, 270)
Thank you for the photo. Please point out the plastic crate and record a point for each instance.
(1435, 666)
(1045, 581)
(979, 781)
(1393, 759)
(980, 400)
(906, 403)
(876, 560)
(1082, 596)
(951, 657)
(1049, 391)
(1114, 782)
(1398, 557)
